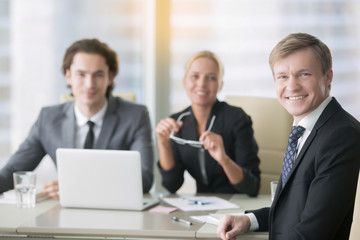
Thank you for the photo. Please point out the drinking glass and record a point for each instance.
(25, 189)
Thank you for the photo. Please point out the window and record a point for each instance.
(41, 32)
(242, 33)
(4, 81)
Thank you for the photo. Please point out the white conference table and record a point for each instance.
(48, 220)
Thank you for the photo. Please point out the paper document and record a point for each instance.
(199, 203)
(214, 218)
(206, 219)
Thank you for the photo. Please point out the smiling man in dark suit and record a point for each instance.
(95, 119)
(316, 192)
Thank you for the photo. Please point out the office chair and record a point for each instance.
(271, 125)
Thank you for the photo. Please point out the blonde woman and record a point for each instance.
(210, 139)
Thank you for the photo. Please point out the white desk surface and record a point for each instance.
(49, 219)
(11, 216)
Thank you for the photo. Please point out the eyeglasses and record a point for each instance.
(192, 143)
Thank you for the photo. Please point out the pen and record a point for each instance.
(196, 202)
(181, 220)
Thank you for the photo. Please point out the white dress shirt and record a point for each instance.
(82, 128)
(308, 122)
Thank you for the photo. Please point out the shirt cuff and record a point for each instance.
(254, 224)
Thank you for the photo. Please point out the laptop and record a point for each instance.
(103, 179)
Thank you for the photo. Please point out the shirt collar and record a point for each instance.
(98, 118)
(308, 122)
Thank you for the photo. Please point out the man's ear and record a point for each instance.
(68, 77)
(111, 78)
(329, 77)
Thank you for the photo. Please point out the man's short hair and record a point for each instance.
(93, 46)
(298, 41)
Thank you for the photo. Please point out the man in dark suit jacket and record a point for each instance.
(90, 67)
(316, 200)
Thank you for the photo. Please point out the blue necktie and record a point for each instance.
(295, 134)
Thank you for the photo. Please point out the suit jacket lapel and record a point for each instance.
(68, 126)
(110, 122)
(330, 109)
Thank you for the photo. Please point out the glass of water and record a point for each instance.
(25, 189)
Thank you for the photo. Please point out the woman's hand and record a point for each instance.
(214, 144)
(164, 128)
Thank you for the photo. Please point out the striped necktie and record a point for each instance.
(295, 134)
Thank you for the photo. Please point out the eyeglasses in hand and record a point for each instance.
(192, 143)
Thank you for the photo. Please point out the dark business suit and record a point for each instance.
(317, 201)
(235, 128)
(126, 126)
